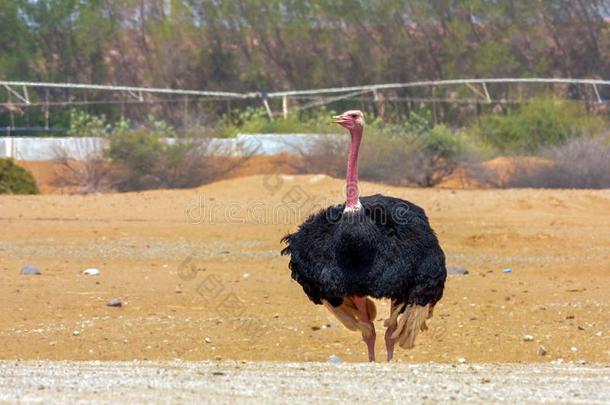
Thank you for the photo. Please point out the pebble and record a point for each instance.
(208, 339)
(334, 360)
(246, 275)
(115, 302)
(574, 349)
(542, 351)
(91, 272)
(455, 270)
(276, 316)
(29, 270)
(600, 333)
(178, 290)
(461, 360)
(75, 333)
(528, 338)
(507, 270)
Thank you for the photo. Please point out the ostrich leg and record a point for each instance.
(389, 342)
(365, 316)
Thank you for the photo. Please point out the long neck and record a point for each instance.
(351, 187)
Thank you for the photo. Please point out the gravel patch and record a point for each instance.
(262, 382)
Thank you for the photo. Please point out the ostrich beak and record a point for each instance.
(338, 119)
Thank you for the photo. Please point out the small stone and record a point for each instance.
(75, 333)
(461, 360)
(178, 290)
(334, 360)
(542, 351)
(29, 270)
(528, 338)
(208, 339)
(455, 270)
(218, 358)
(91, 272)
(507, 270)
(115, 302)
(276, 316)
(599, 334)
(574, 349)
(246, 275)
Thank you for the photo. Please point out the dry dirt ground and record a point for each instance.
(201, 277)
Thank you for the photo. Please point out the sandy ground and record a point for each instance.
(201, 276)
(241, 382)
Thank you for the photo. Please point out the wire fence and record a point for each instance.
(32, 104)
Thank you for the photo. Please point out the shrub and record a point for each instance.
(579, 163)
(143, 161)
(15, 179)
(85, 124)
(326, 155)
(413, 153)
(256, 121)
(423, 159)
(92, 175)
(538, 124)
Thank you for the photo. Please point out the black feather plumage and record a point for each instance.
(386, 249)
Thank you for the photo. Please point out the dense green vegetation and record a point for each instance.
(15, 179)
(537, 124)
(258, 45)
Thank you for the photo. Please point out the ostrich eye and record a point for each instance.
(354, 115)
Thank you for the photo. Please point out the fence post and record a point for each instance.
(267, 108)
(285, 107)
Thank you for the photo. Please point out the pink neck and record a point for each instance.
(351, 188)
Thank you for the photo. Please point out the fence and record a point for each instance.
(295, 99)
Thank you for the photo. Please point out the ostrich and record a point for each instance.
(375, 246)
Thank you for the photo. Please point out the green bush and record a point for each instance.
(85, 124)
(15, 179)
(541, 123)
(424, 157)
(142, 160)
(413, 152)
(256, 121)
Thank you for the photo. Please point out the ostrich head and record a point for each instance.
(350, 120)
(353, 121)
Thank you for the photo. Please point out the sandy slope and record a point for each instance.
(204, 263)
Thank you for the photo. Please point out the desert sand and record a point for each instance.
(201, 278)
